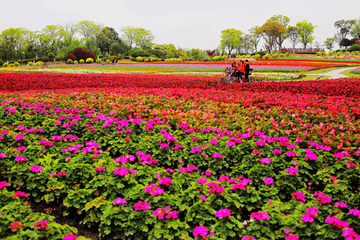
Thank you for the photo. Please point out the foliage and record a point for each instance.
(354, 48)
(139, 53)
(70, 61)
(230, 38)
(89, 60)
(271, 31)
(81, 61)
(329, 43)
(306, 29)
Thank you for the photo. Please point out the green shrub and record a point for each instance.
(11, 65)
(108, 61)
(89, 60)
(139, 53)
(217, 58)
(69, 61)
(347, 53)
(318, 53)
(275, 55)
(282, 55)
(331, 53)
(139, 59)
(76, 62)
(338, 53)
(98, 60)
(287, 54)
(354, 48)
(257, 56)
(147, 60)
(39, 63)
(357, 53)
(248, 56)
(81, 61)
(5, 65)
(30, 64)
(266, 56)
(16, 64)
(224, 57)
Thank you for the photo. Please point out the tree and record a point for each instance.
(255, 37)
(210, 53)
(329, 43)
(196, 54)
(89, 30)
(51, 37)
(345, 43)
(144, 38)
(245, 43)
(355, 30)
(12, 40)
(107, 37)
(284, 21)
(344, 27)
(270, 31)
(70, 29)
(306, 29)
(230, 38)
(293, 35)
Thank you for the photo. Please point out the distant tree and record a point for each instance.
(284, 21)
(210, 53)
(329, 43)
(344, 27)
(245, 42)
(255, 37)
(107, 38)
(270, 31)
(89, 30)
(11, 41)
(70, 29)
(52, 37)
(306, 30)
(345, 43)
(230, 38)
(196, 54)
(293, 36)
(144, 38)
(355, 30)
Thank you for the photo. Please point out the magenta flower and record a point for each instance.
(292, 154)
(194, 139)
(333, 178)
(341, 205)
(299, 196)
(22, 148)
(120, 201)
(292, 170)
(202, 181)
(173, 214)
(207, 173)
(268, 181)
(217, 155)
(3, 184)
(169, 170)
(122, 171)
(354, 212)
(256, 152)
(229, 144)
(165, 181)
(61, 173)
(260, 143)
(265, 161)
(52, 174)
(2, 155)
(336, 222)
(292, 237)
(200, 231)
(157, 175)
(308, 151)
(196, 149)
(164, 145)
(203, 198)
(160, 213)
(322, 197)
(286, 231)
(276, 151)
(292, 146)
(310, 157)
(100, 169)
(307, 218)
(36, 168)
(217, 189)
(223, 178)
(42, 225)
(213, 141)
(20, 194)
(20, 159)
(223, 213)
(19, 137)
(241, 184)
(133, 171)
(247, 238)
(260, 215)
(140, 206)
(69, 237)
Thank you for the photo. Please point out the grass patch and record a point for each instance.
(350, 74)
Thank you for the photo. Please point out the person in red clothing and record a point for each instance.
(241, 71)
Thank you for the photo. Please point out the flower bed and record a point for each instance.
(356, 71)
(154, 162)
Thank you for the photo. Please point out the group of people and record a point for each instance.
(240, 70)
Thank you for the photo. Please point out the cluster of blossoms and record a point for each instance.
(265, 161)
(120, 201)
(188, 169)
(292, 170)
(20, 194)
(72, 148)
(69, 237)
(42, 225)
(16, 226)
(59, 174)
(165, 213)
(310, 214)
(123, 160)
(336, 222)
(146, 158)
(241, 184)
(354, 212)
(165, 181)
(291, 236)
(247, 238)
(260, 215)
(223, 213)
(299, 196)
(350, 234)
(2, 155)
(215, 188)
(322, 197)
(46, 143)
(100, 169)
(268, 181)
(20, 159)
(64, 138)
(310, 157)
(140, 205)
(36, 168)
(3, 184)
(350, 164)
(340, 205)
(122, 171)
(153, 189)
(202, 231)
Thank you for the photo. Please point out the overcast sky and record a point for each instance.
(185, 23)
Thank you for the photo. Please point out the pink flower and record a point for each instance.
(287, 231)
(120, 201)
(36, 168)
(268, 181)
(133, 171)
(322, 197)
(299, 196)
(61, 173)
(100, 169)
(333, 178)
(217, 155)
(69, 237)
(194, 139)
(265, 161)
(307, 218)
(20, 159)
(223, 213)
(121, 171)
(21, 148)
(203, 198)
(196, 149)
(342, 205)
(140, 205)
(213, 141)
(276, 151)
(207, 173)
(160, 213)
(292, 170)
(200, 230)
(202, 181)
(217, 189)
(19, 137)
(310, 157)
(354, 212)
(256, 152)
(229, 144)
(42, 225)
(164, 145)
(173, 214)
(223, 178)
(3, 184)
(165, 181)
(260, 215)
(247, 238)
(2, 155)
(292, 154)
(157, 175)
(270, 201)
(292, 237)
(16, 226)
(260, 143)
(52, 174)
(20, 194)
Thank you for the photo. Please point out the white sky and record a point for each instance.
(185, 23)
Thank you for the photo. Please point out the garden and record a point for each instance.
(162, 151)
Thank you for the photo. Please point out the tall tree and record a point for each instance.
(70, 29)
(255, 37)
(293, 36)
(329, 43)
(52, 36)
(89, 30)
(306, 30)
(107, 38)
(129, 34)
(270, 31)
(344, 27)
(355, 30)
(231, 38)
(12, 40)
(144, 38)
(245, 42)
(284, 21)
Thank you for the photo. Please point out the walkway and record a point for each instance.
(334, 74)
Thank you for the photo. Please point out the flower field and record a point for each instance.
(161, 156)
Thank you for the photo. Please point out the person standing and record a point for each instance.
(241, 71)
(247, 70)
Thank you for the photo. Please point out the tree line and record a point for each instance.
(57, 41)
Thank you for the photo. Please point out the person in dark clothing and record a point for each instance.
(247, 71)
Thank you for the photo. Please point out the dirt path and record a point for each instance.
(335, 73)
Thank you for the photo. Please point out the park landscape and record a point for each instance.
(154, 147)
